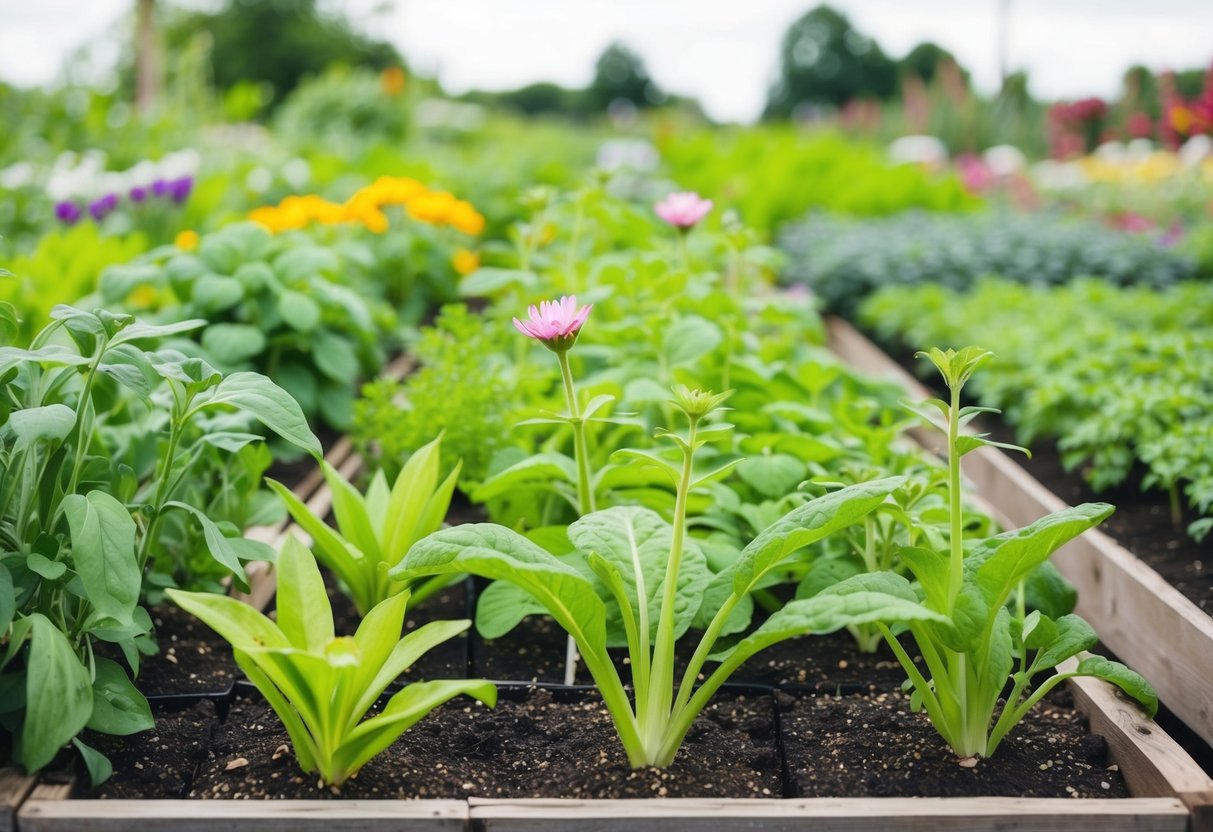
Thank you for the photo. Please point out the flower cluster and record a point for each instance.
(81, 186)
(1077, 127)
(367, 206)
(1183, 118)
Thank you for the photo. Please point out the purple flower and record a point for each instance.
(138, 193)
(102, 207)
(179, 189)
(67, 212)
(160, 187)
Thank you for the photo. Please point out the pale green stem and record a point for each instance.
(585, 492)
(661, 691)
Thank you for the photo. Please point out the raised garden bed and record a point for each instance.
(1143, 619)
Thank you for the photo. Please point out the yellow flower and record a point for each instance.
(465, 261)
(375, 220)
(187, 240)
(144, 297)
(393, 80)
(1181, 119)
(465, 218)
(433, 207)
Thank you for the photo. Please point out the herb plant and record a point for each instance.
(375, 530)
(969, 615)
(81, 529)
(322, 686)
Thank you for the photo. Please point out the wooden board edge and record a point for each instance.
(61, 815)
(830, 814)
(1131, 606)
(15, 787)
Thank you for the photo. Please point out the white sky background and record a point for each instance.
(724, 52)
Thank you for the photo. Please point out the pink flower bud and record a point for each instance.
(555, 323)
(683, 210)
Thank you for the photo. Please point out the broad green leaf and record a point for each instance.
(496, 552)
(772, 475)
(488, 281)
(828, 612)
(58, 694)
(637, 541)
(141, 331)
(411, 491)
(103, 552)
(299, 311)
(228, 551)
(541, 468)
(52, 422)
(235, 621)
(118, 707)
(256, 395)
(501, 608)
(305, 616)
(231, 345)
(690, 338)
(1001, 561)
(804, 525)
(406, 652)
(930, 569)
(335, 356)
(99, 767)
(1047, 590)
(215, 293)
(1127, 680)
(825, 573)
(1073, 635)
(8, 599)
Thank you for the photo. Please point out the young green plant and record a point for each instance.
(973, 628)
(637, 579)
(375, 530)
(320, 685)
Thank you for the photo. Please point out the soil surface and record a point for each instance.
(874, 746)
(159, 763)
(535, 743)
(192, 658)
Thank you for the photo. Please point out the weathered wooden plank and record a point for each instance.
(263, 816)
(14, 788)
(977, 814)
(1152, 763)
(1134, 610)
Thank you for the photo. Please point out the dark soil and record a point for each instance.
(535, 743)
(192, 658)
(862, 746)
(533, 651)
(448, 660)
(159, 763)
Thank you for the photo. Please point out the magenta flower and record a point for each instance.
(683, 210)
(555, 323)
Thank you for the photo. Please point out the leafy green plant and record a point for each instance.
(1114, 375)
(459, 390)
(81, 529)
(322, 686)
(375, 530)
(968, 613)
(278, 304)
(844, 260)
(634, 578)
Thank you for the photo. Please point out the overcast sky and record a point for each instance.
(722, 51)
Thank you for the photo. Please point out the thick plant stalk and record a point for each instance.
(585, 492)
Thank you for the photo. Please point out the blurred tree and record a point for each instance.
(278, 42)
(925, 59)
(147, 56)
(620, 75)
(824, 60)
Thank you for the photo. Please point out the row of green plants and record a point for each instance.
(608, 518)
(1115, 376)
(845, 260)
(633, 517)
